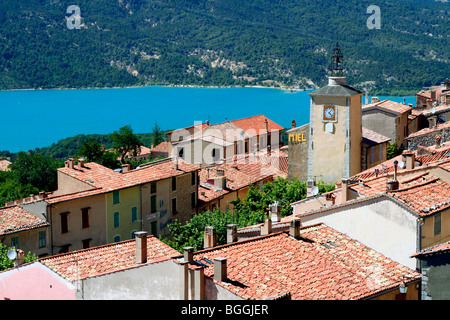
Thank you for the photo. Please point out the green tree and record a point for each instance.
(125, 143)
(6, 263)
(158, 135)
(91, 150)
(36, 170)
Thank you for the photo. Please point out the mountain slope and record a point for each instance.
(222, 42)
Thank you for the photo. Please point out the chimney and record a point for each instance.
(309, 185)
(367, 98)
(275, 210)
(19, 258)
(175, 162)
(294, 124)
(69, 163)
(220, 172)
(266, 125)
(375, 99)
(410, 159)
(294, 228)
(81, 162)
(126, 167)
(231, 233)
(267, 226)
(438, 142)
(141, 247)
(188, 254)
(393, 184)
(220, 269)
(433, 94)
(345, 192)
(330, 199)
(220, 182)
(210, 237)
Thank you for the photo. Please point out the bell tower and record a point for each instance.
(334, 150)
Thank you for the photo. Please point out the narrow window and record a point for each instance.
(153, 204)
(116, 219)
(193, 199)
(380, 152)
(116, 197)
(174, 205)
(174, 183)
(42, 239)
(153, 187)
(85, 217)
(437, 224)
(193, 178)
(372, 154)
(64, 222)
(116, 238)
(133, 214)
(15, 242)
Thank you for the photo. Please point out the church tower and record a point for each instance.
(335, 134)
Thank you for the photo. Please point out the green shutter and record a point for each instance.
(116, 219)
(116, 197)
(133, 214)
(153, 204)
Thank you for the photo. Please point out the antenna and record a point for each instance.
(12, 254)
(314, 190)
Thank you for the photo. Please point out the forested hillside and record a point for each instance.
(222, 42)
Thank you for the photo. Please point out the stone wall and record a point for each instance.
(428, 138)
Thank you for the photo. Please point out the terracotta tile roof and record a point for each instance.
(103, 179)
(238, 174)
(424, 131)
(322, 264)
(440, 248)
(97, 261)
(4, 165)
(430, 156)
(371, 137)
(15, 219)
(387, 104)
(426, 198)
(437, 109)
(256, 123)
(162, 147)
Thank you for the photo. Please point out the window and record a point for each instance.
(380, 152)
(174, 205)
(42, 239)
(153, 187)
(174, 183)
(372, 154)
(116, 238)
(193, 178)
(437, 224)
(65, 248)
(64, 222)
(85, 217)
(153, 204)
(116, 219)
(133, 234)
(181, 152)
(193, 199)
(86, 243)
(347, 101)
(133, 214)
(15, 242)
(116, 197)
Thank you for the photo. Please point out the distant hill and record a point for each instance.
(222, 43)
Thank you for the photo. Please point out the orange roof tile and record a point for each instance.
(256, 123)
(429, 130)
(322, 264)
(15, 219)
(440, 248)
(106, 259)
(103, 179)
(389, 105)
(372, 137)
(162, 147)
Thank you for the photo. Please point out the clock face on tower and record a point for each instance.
(329, 113)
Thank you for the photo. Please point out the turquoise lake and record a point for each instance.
(38, 118)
